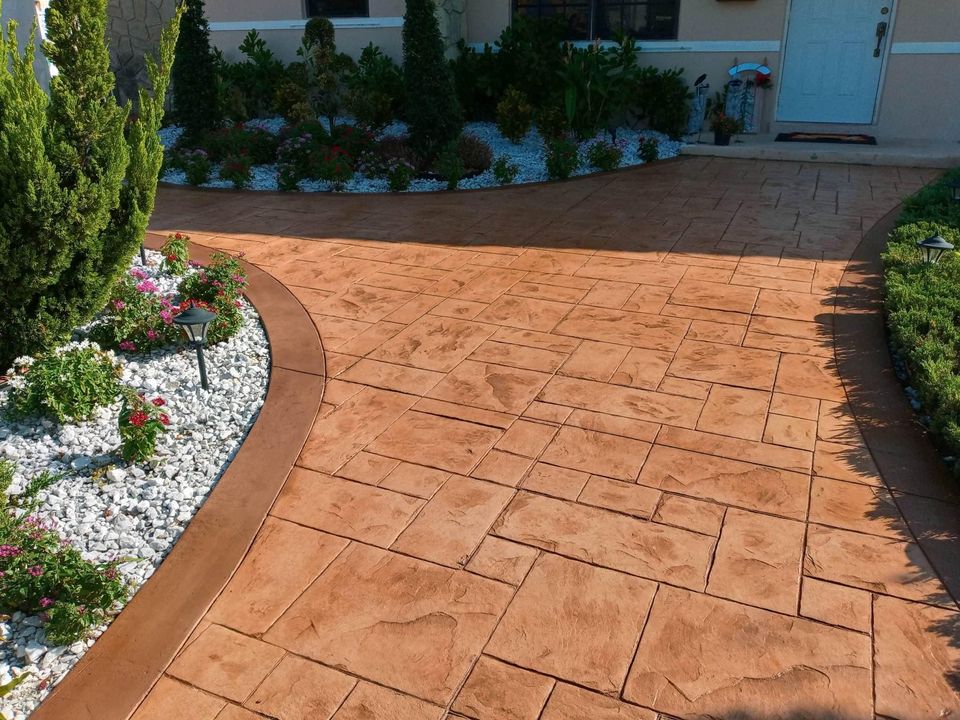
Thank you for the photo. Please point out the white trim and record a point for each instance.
(299, 23)
(925, 48)
(710, 46)
(678, 46)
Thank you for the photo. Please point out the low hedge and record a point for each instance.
(923, 307)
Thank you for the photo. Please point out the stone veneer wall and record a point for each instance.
(133, 29)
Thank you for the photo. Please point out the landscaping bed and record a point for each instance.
(923, 311)
(531, 107)
(528, 156)
(124, 516)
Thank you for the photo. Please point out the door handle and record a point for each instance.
(881, 34)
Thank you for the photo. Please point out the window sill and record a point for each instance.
(344, 23)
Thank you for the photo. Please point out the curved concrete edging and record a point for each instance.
(111, 680)
(900, 446)
(428, 193)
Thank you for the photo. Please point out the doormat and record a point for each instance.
(840, 138)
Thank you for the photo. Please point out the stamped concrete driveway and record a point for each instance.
(584, 453)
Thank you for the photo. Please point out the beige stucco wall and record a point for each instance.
(919, 97)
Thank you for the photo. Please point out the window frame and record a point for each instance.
(593, 10)
(365, 14)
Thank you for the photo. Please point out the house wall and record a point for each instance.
(281, 23)
(919, 96)
(24, 13)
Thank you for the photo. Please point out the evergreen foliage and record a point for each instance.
(432, 109)
(194, 75)
(78, 176)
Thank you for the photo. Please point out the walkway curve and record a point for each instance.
(114, 676)
(603, 448)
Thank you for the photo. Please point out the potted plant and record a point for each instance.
(724, 126)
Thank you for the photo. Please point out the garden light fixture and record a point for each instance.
(143, 255)
(954, 186)
(934, 248)
(195, 323)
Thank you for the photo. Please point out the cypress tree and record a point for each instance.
(195, 99)
(78, 177)
(432, 109)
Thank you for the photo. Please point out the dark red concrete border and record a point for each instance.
(903, 450)
(116, 674)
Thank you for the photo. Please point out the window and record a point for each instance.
(589, 19)
(337, 8)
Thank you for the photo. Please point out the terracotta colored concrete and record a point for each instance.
(116, 674)
(622, 447)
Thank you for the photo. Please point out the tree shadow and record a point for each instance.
(707, 214)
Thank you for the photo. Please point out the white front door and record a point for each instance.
(833, 60)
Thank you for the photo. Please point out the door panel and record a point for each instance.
(830, 73)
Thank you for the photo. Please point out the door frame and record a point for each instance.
(881, 80)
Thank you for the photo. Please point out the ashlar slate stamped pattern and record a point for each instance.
(583, 453)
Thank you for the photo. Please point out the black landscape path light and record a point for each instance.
(143, 255)
(934, 248)
(195, 323)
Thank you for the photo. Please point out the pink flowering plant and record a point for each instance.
(176, 254)
(140, 423)
(138, 318)
(42, 574)
(217, 287)
(67, 384)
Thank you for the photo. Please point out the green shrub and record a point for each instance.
(400, 175)
(475, 154)
(176, 254)
(663, 100)
(478, 81)
(450, 166)
(256, 143)
(67, 384)
(604, 155)
(531, 57)
(320, 33)
(237, 170)
(138, 317)
(514, 116)
(196, 101)
(599, 86)
(562, 158)
(934, 204)
(140, 424)
(42, 574)
(248, 88)
(217, 287)
(504, 171)
(375, 93)
(648, 148)
(431, 107)
(551, 122)
(78, 175)
(923, 309)
(292, 101)
(195, 164)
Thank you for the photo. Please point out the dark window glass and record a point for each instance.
(589, 19)
(337, 8)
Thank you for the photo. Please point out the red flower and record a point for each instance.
(164, 419)
(159, 402)
(139, 418)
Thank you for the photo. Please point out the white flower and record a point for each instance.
(20, 362)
